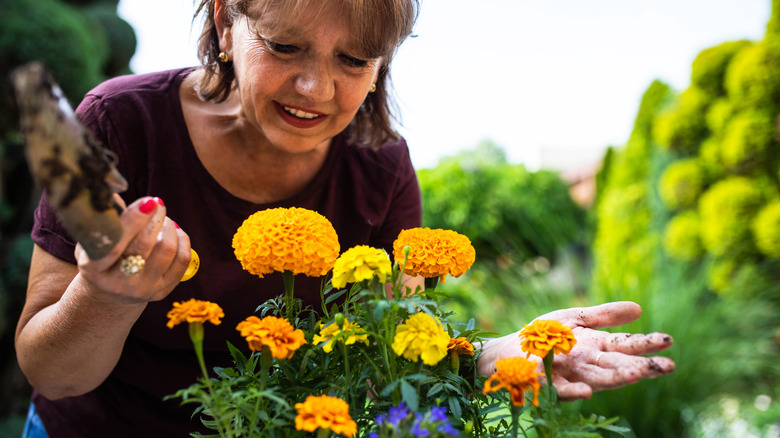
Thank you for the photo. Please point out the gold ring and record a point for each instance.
(132, 265)
(598, 357)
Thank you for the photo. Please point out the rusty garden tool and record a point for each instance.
(73, 168)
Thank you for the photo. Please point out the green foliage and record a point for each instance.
(506, 210)
(766, 229)
(709, 67)
(732, 335)
(681, 183)
(748, 142)
(681, 238)
(120, 38)
(726, 210)
(752, 81)
(683, 126)
(718, 116)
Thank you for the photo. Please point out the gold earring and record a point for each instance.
(223, 57)
(372, 88)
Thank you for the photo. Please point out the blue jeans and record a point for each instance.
(33, 428)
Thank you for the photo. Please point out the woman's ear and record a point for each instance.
(223, 25)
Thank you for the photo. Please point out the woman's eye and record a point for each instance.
(282, 48)
(353, 62)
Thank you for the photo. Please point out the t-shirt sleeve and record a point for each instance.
(47, 231)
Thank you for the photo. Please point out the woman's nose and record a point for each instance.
(316, 81)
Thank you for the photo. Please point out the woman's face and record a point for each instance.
(301, 87)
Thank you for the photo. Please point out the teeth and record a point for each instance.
(300, 114)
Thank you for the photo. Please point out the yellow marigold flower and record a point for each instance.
(325, 412)
(434, 252)
(277, 333)
(195, 311)
(461, 346)
(543, 335)
(516, 375)
(421, 336)
(360, 263)
(330, 331)
(286, 239)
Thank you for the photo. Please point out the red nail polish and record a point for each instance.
(177, 225)
(148, 206)
(159, 201)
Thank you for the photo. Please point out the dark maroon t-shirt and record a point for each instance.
(368, 195)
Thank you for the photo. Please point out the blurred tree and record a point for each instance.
(689, 208)
(82, 42)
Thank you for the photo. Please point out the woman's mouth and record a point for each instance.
(297, 117)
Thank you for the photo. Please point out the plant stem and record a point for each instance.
(265, 365)
(289, 285)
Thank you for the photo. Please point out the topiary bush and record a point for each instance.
(682, 239)
(709, 67)
(766, 229)
(681, 183)
(726, 210)
(749, 141)
(682, 127)
(752, 80)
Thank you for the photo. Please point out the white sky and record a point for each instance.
(553, 82)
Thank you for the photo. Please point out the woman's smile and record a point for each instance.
(298, 117)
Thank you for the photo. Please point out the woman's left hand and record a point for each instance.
(600, 360)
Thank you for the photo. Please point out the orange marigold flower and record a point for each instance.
(325, 412)
(360, 263)
(516, 375)
(543, 335)
(195, 311)
(434, 252)
(286, 239)
(461, 346)
(277, 333)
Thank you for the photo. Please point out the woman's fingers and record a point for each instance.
(602, 370)
(627, 343)
(601, 316)
(148, 261)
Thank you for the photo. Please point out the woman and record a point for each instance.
(290, 108)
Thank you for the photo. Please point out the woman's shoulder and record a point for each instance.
(390, 156)
(140, 83)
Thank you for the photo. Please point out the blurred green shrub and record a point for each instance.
(509, 213)
(681, 183)
(749, 141)
(726, 211)
(682, 238)
(766, 229)
(683, 126)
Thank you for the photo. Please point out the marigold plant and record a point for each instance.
(195, 311)
(543, 335)
(421, 336)
(517, 375)
(294, 239)
(325, 412)
(460, 345)
(361, 263)
(330, 331)
(278, 334)
(434, 252)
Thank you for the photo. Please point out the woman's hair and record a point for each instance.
(379, 26)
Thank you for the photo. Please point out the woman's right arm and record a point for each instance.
(76, 317)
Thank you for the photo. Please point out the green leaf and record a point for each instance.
(409, 396)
